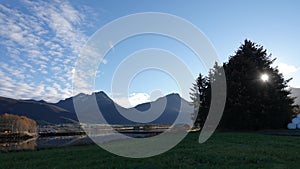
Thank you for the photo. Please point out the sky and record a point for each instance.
(41, 42)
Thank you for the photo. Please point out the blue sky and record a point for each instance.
(41, 41)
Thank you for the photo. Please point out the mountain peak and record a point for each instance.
(173, 95)
(102, 93)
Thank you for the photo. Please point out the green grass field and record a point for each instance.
(222, 150)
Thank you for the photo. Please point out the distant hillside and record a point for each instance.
(63, 111)
(39, 111)
(105, 104)
(296, 93)
(174, 105)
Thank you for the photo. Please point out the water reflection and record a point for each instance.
(44, 142)
(59, 141)
(29, 144)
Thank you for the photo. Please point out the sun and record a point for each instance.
(264, 77)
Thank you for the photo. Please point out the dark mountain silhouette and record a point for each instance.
(42, 112)
(105, 105)
(110, 110)
(172, 105)
(32, 100)
(296, 93)
(63, 111)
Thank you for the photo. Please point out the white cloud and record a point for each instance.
(286, 69)
(41, 42)
(289, 71)
(132, 100)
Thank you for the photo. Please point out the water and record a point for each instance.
(43, 142)
(52, 142)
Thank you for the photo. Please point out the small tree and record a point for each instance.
(200, 96)
(17, 124)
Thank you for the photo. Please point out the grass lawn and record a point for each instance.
(222, 150)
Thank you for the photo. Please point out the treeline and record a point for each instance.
(17, 124)
(257, 94)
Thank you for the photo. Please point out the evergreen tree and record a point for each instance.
(251, 102)
(200, 100)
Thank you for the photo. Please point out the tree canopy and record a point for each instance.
(17, 124)
(257, 94)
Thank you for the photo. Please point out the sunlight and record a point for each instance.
(264, 77)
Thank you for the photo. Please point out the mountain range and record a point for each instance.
(64, 111)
